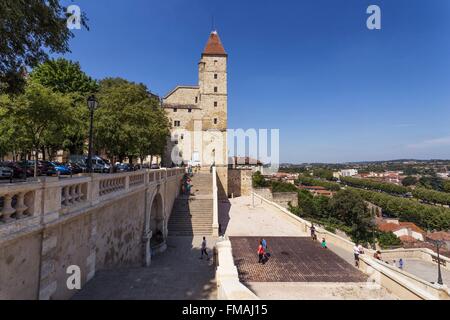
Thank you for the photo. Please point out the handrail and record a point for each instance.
(215, 223)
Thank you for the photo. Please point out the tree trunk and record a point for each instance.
(36, 155)
(43, 153)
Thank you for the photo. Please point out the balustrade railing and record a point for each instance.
(15, 203)
(50, 196)
(137, 180)
(74, 194)
(110, 185)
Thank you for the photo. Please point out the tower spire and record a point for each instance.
(214, 45)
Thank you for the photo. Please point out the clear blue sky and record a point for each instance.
(336, 90)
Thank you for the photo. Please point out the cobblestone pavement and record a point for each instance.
(292, 259)
(177, 274)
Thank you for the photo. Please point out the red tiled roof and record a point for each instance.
(411, 226)
(214, 45)
(408, 239)
(388, 227)
(392, 227)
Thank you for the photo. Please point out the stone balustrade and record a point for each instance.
(137, 180)
(60, 196)
(16, 202)
(109, 185)
(73, 194)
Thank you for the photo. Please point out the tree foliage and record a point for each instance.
(28, 31)
(67, 77)
(426, 216)
(129, 122)
(388, 240)
(375, 185)
(64, 76)
(307, 181)
(37, 115)
(409, 181)
(258, 180)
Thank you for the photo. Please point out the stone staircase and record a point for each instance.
(193, 215)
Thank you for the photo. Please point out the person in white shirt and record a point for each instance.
(356, 252)
(361, 249)
(204, 249)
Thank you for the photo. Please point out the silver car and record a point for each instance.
(6, 172)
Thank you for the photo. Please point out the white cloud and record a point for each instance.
(431, 143)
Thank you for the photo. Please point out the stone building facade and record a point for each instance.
(199, 115)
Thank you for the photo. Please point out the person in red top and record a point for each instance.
(261, 252)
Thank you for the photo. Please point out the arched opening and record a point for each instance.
(157, 222)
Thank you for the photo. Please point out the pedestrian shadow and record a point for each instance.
(224, 216)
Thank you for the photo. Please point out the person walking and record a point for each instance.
(264, 244)
(377, 255)
(204, 245)
(324, 244)
(400, 263)
(356, 254)
(261, 253)
(313, 232)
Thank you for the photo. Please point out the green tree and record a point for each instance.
(349, 207)
(68, 78)
(28, 30)
(258, 180)
(388, 240)
(128, 122)
(64, 76)
(447, 186)
(39, 112)
(409, 181)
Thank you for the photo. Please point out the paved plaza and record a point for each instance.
(426, 270)
(239, 218)
(177, 274)
(292, 259)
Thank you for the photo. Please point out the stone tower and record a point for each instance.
(199, 114)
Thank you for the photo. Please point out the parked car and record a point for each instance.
(48, 168)
(18, 171)
(99, 165)
(155, 167)
(123, 167)
(61, 169)
(6, 172)
(76, 168)
(28, 165)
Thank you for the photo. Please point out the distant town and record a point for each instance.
(407, 201)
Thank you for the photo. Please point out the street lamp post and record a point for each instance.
(438, 245)
(92, 105)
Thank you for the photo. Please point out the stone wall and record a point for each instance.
(284, 198)
(94, 222)
(280, 198)
(239, 182)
